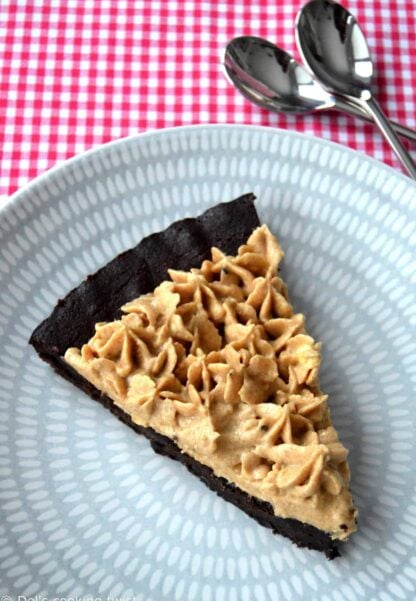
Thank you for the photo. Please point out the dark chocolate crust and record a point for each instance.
(183, 245)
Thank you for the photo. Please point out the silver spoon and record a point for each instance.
(335, 49)
(271, 78)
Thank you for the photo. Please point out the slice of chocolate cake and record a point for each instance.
(190, 339)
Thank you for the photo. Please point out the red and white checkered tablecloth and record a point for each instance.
(76, 73)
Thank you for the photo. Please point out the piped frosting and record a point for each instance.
(216, 359)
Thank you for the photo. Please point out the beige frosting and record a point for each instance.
(216, 359)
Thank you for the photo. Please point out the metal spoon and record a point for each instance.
(271, 78)
(335, 49)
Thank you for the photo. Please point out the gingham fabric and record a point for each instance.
(77, 73)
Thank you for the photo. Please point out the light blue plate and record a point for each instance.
(86, 507)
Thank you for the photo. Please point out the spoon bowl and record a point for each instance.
(335, 49)
(271, 78)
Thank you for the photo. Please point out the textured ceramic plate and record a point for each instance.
(87, 508)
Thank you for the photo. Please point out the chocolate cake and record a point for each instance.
(210, 361)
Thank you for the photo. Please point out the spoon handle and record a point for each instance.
(374, 110)
(356, 110)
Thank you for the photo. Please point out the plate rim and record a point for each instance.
(17, 196)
